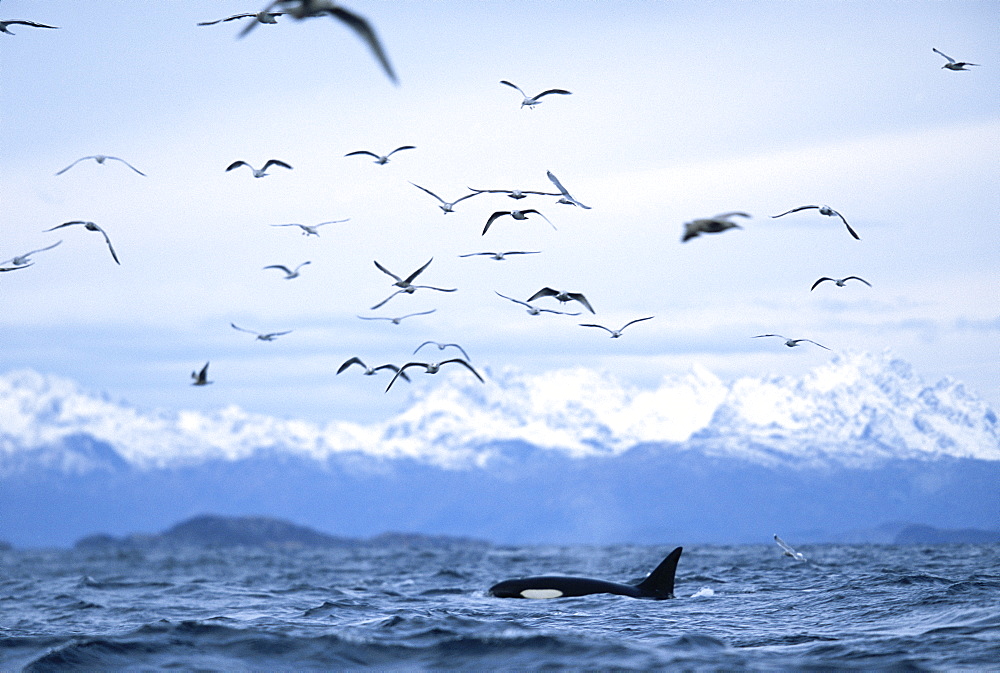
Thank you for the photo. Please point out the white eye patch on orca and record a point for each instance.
(541, 593)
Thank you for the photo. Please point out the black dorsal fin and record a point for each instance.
(660, 583)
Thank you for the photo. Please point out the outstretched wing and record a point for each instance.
(464, 364)
(279, 266)
(428, 191)
(588, 324)
(544, 292)
(384, 301)
(516, 301)
(819, 281)
(635, 321)
(73, 164)
(237, 164)
(110, 247)
(352, 361)
(493, 218)
(394, 368)
(851, 278)
(275, 162)
(371, 154)
(851, 231)
(386, 271)
(546, 93)
(513, 86)
(401, 370)
(129, 165)
(234, 326)
(814, 343)
(367, 35)
(950, 59)
(413, 276)
(580, 298)
(795, 210)
(769, 335)
(399, 149)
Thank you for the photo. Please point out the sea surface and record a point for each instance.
(412, 607)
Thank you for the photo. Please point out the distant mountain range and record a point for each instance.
(566, 456)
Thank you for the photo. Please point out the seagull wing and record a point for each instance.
(818, 282)
(493, 218)
(280, 266)
(795, 210)
(413, 276)
(475, 254)
(850, 231)
(544, 292)
(108, 241)
(546, 93)
(30, 23)
(275, 162)
(813, 343)
(428, 191)
(848, 278)
(383, 302)
(410, 315)
(735, 213)
(399, 149)
(513, 86)
(234, 326)
(635, 321)
(558, 184)
(769, 335)
(516, 301)
(129, 165)
(588, 324)
(400, 373)
(352, 361)
(580, 298)
(386, 271)
(464, 364)
(64, 224)
(532, 210)
(463, 198)
(950, 59)
(58, 242)
(393, 368)
(73, 164)
(366, 152)
(549, 310)
(237, 164)
(367, 35)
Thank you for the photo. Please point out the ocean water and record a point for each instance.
(408, 607)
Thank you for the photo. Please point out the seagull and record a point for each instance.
(406, 284)
(258, 172)
(370, 371)
(433, 368)
(790, 342)
(90, 226)
(259, 17)
(15, 268)
(710, 225)
(562, 297)
(267, 336)
(824, 210)
(798, 556)
(501, 256)
(442, 346)
(615, 333)
(447, 207)
(532, 101)
(25, 259)
(397, 320)
(310, 229)
(534, 310)
(952, 64)
(201, 378)
(100, 158)
(381, 158)
(288, 273)
(513, 193)
(4, 24)
(567, 198)
(516, 214)
(839, 281)
(304, 9)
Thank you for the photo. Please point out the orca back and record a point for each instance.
(660, 583)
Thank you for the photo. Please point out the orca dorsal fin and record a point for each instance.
(660, 583)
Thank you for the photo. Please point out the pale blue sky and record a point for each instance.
(679, 110)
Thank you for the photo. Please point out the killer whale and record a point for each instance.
(658, 585)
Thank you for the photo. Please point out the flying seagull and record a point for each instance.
(615, 333)
(711, 225)
(790, 342)
(369, 371)
(442, 346)
(90, 226)
(446, 206)
(562, 297)
(501, 256)
(25, 259)
(258, 17)
(266, 336)
(289, 274)
(201, 378)
(567, 198)
(952, 64)
(4, 24)
(839, 281)
(433, 368)
(100, 158)
(516, 214)
(310, 229)
(406, 284)
(380, 158)
(258, 172)
(823, 210)
(305, 9)
(4, 269)
(398, 319)
(787, 549)
(534, 310)
(513, 193)
(532, 101)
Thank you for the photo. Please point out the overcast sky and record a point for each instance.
(679, 110)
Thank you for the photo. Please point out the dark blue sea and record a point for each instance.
(412, 607)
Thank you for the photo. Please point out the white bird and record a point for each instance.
(567, 198)
(25, 259)
(90, 226)
(380, 158)
(791, 342)
(823, 210)
(258, 17)
(398, 319)
(615, 333)
(433, 368)
(265, 336)
(787, 549)
(711, 225)
(4, 24)
(952, 64)
(305, 9)
(562, 297)
(534, 310)
(513, 193)
(839, 281)
(501, 256)
(532, 101)
(406, 284)
(369, 371)
(442, 346)
(289, 274)
(310, 229)
(201, 378)
(516, 214)
(100, 159)
(258, 172)
(446, 206)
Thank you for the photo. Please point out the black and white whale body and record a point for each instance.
(659, 584)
